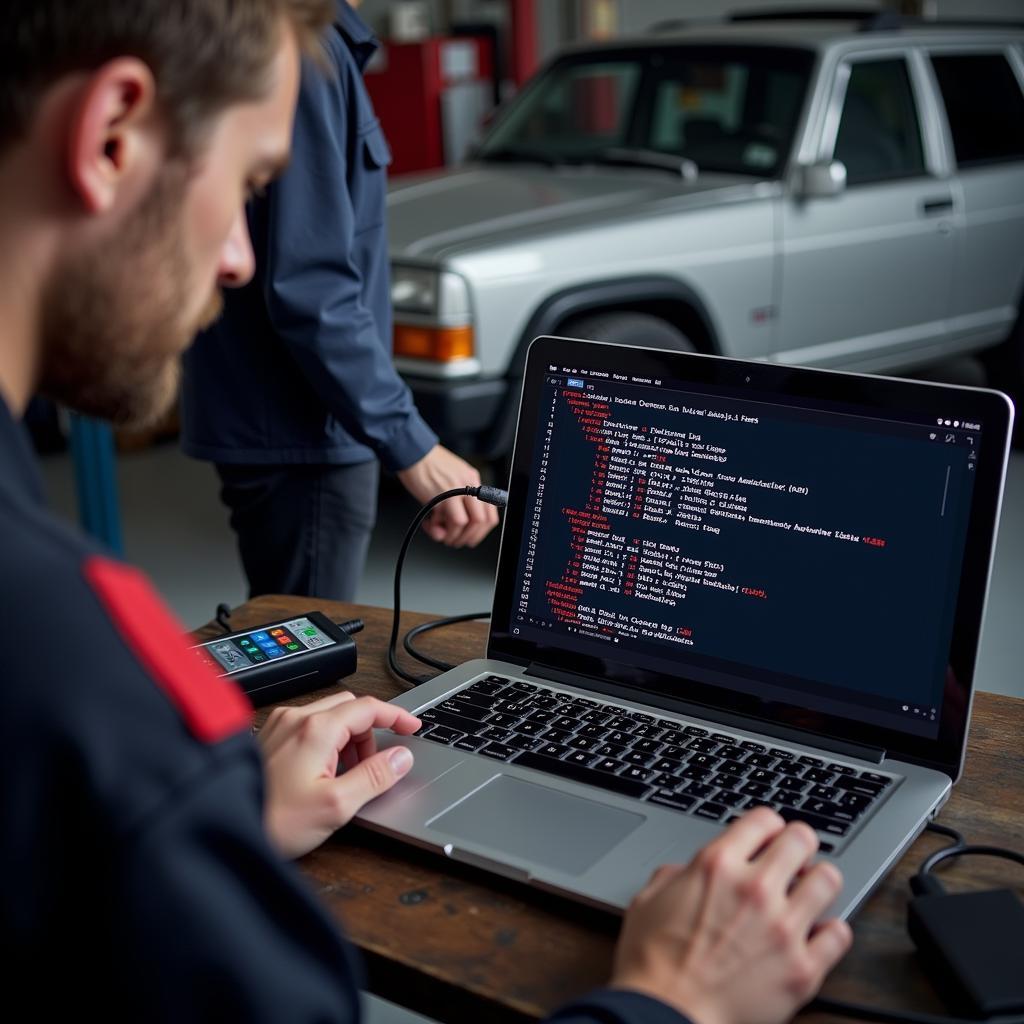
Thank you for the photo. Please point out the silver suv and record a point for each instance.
(845, 195)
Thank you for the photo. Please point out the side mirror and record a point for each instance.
(821, 180)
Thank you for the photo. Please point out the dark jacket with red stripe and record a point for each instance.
(136, 878)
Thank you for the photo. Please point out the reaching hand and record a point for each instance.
(731, 937)
(306, 799)
(458, 522)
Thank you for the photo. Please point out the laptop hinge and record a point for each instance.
(845, 748)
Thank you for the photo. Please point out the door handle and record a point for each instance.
(930, 207)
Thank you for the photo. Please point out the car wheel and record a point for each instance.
(627, 328)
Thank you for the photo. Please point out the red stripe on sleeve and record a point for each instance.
(213, 707)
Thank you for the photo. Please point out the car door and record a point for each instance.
(983, 99)
(865, 274)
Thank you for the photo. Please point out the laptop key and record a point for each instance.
(639, 716)
(488, 689)
(723, 780)
(521, 742)
(464, 708)
(675, 737)
(854, 785)
(648, 732)
(581, 757)
(731, 751)
(785, 798)
(503, 720)
(779, 752)
(610, 749)
(442, 734)
(609, 764)
(634, 771)
(692, 772)
(882, 780)
(558, 735)
(824, 792)
(525, 687)
(790, 768)
(496, 734)
(619, 736)
(711, 810)
(814, 762)
(793, 785)
(585, 702)
(669, 765)
(702, 760)
(621, 722)
(578, 773)
(823, 807)
(648, 746)
(757, 748)
(478, 700)
(841, 769)
(664, 781)
(596, 732)
(730, 798)
(564, 722)
(460, 722)
(582, 743)
(735, 768)
(695, 730)
(701, 790)
(546, 703)
(499, 751)
(675, 751)
(722, 738)
(755, 789)
(533, 724)
(820, 775)
(669, 798)
(469, 743)
(761, 760)
(816, 821)
(498, 679)
(855, 803)
(639, 757)
(703, 746)
(763, 776)
(549, 749)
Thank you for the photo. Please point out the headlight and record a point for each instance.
(414, 290)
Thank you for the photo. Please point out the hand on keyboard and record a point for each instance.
(731, 937)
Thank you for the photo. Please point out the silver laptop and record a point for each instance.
(721, 584)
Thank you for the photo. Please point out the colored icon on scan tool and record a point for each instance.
(261, 635)
(293, 647)
(276, 653)
(309, 632)
(276, 632)
(268, 645)
(284, 639)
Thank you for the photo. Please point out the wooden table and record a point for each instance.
(464, 946)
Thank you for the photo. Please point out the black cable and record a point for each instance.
(493, 496)
(223, 617)
(426, 627)
(922, 882)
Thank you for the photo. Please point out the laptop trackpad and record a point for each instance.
(536, 823)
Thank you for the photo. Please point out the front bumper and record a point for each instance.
(467, 415)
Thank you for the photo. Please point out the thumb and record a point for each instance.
(374, 776)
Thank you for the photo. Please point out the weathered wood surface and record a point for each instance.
(464, 946)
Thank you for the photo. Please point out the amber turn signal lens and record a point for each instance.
(442, 344)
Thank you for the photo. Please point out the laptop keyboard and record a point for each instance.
(687, 768)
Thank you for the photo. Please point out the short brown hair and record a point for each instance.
(204, 54)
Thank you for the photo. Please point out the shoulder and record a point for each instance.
(99, 674)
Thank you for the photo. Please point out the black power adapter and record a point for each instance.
(972, 945)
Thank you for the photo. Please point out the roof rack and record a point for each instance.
(868, 19)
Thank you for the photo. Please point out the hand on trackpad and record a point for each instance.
(537, 823)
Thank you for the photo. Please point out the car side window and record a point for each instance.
(879, 136)
(984, 130)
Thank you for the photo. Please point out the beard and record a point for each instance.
(115, 321)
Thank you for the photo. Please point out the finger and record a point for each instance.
(830, 942)
(660, 878)
(283, 721)
(787, 854)
(745, 837)
(368, 779)
(434, 526)
(483, 525)
(814, 892)
(474, 520)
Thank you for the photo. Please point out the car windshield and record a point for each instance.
(731, 109)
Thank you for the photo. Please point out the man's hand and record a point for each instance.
(458, 522)
(731, 938)
(302, 746)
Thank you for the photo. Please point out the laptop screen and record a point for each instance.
(779, 543)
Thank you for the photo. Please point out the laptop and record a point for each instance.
(721, 584)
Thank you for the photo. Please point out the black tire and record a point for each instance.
(627, 328)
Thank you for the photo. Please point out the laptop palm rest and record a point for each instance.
(538, 824)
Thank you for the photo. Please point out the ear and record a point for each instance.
(115, 133)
